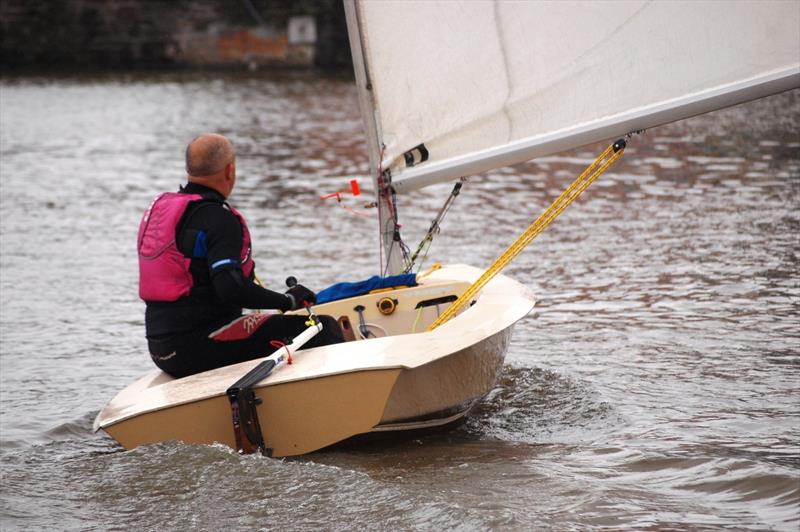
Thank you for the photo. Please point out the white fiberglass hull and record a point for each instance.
(403, 380)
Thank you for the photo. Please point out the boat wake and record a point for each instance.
(533, 405)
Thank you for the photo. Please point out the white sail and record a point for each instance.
(483, 84)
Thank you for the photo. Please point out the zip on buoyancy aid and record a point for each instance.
(163, 270)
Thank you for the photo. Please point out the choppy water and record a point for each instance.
(655, 386)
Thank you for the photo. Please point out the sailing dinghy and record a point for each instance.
(447, 90)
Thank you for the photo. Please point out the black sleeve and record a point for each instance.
(231, 286)
(223, 240)
(223, 251)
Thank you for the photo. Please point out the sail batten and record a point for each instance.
(484, 84)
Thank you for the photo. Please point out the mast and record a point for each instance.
(390, 248)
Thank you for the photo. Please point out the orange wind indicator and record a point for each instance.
(355, 190)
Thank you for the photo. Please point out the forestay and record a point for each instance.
(483, 84)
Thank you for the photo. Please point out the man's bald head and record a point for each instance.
(208, 155)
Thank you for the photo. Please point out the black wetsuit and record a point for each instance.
(206, 329)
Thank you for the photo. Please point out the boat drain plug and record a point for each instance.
(387, 305)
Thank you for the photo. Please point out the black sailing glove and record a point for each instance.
(300, 295)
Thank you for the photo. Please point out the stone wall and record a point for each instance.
(159, 33)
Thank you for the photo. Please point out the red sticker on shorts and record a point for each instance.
(240, 329)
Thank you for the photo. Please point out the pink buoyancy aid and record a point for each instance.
(163, 270)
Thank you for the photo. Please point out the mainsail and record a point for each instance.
(453, 88)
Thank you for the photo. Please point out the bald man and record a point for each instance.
(196, 274)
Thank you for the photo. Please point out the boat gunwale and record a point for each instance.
(439, 335)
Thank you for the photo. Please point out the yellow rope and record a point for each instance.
(416, 321)
(606, 159)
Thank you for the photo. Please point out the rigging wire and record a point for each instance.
(388, 192)
(435, 228)
(377, 201)
(592, 172)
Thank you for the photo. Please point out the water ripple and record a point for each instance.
(655, 385)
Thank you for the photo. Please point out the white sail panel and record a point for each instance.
(483, 84)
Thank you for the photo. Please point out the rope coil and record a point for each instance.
(592, 172)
